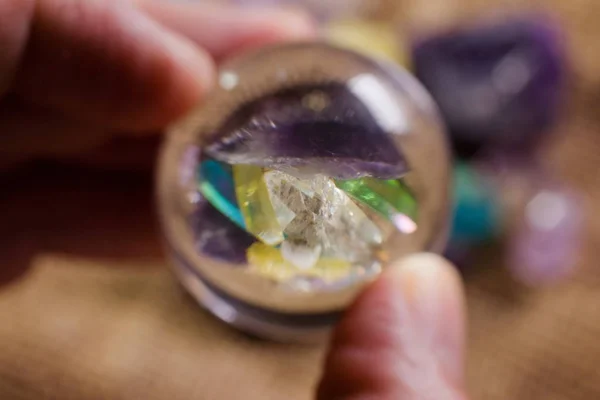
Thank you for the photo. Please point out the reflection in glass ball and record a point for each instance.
(308, 170)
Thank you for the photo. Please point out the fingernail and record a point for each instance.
(430, 301)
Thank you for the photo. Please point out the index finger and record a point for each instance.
(111, 62)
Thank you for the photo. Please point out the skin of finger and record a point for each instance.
(15, 19)
(224, 30)
(120, 153)
(106, 61)
(28, 132)
(403, 337)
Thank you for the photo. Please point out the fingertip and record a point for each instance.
(404, 334)
(169, 76)
(184, 75)
(224, 29)
(270, 27)
(286, 24)
(423, 274)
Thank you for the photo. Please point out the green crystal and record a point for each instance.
(307, 219)
(386, 197)
(255, 205)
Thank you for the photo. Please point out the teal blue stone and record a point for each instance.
(215, 182)
(477, 212)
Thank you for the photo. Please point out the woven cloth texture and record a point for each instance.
(89, 309)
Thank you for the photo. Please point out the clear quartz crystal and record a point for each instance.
(325, 218)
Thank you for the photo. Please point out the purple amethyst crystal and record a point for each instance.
(314, 128)
(544, 248)
(497, 85)
(217, 237)
(546, 218)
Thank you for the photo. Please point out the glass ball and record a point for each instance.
(308, 170)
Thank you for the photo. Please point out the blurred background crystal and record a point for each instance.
(498, 84)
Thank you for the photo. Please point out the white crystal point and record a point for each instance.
(302, 257)
(324, 217)
(366, 229)
(283, 214)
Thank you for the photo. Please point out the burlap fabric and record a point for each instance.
(88, 309)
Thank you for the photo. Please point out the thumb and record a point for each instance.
(402, 339)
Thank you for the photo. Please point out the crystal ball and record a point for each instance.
(308, 170)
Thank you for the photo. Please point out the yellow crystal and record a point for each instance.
(373, 38)
(270, 263)
(255, 204)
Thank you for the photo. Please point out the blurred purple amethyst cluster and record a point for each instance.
(497, 85)
(500, 87)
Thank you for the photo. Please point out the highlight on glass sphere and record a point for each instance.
(308, 170)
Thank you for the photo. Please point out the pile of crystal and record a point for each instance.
(303, 185)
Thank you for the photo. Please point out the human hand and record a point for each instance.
(77, 76)
(403, 338)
